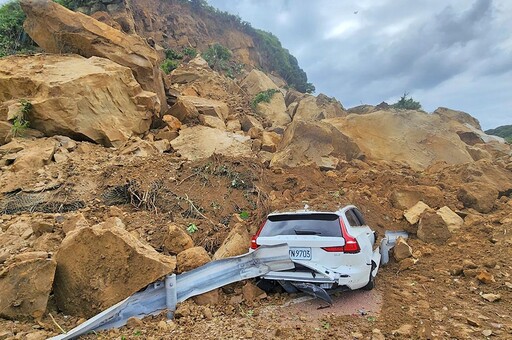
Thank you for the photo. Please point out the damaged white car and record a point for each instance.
(330, 250)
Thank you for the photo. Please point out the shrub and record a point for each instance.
(406, 103)
(13, 38)
(168, 65)
(263, 96)
(189, 52)
(172, 54)
(217, 57)
(20, 123)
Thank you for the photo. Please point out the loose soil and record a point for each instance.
(436, 298)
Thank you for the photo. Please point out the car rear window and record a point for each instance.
(302, 224)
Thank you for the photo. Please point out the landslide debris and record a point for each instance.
(103, 222)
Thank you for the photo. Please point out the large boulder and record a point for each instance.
(192, 258)
(311, 108)
(479, 196)
(318, 143)
(28, 159)
(256, 82)
(91, 99)
(236, 243)
(404, 197)
(59, 30)
(275, 110)
(176, 240)
(25, 288)
(453, 221)
(189, 107)
(201, 142)
(102, 265)
(413, 214)
(432, 228)
(459, 116)
(416, 138)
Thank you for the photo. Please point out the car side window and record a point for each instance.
(352, 218)
(359, 217)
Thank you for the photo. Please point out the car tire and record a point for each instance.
(371, 282)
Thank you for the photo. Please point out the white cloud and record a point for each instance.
(454, 54)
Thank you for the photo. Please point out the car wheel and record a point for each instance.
(371, 282)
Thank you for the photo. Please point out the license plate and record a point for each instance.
(300, 253)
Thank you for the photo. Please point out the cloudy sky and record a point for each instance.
(456, 54)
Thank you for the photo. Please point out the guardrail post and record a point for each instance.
(171, 297)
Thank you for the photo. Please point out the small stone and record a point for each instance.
(407, 263)
(208, 313)
(251, 292)
(171, 325)
(377, 334)
(357, 335)
(456, 271)
(468, 264)
(404, 330)
(134, 323)
(162, 325)
(508, 285)
(485, 277)
(331, 174)
(209, 298)
(487, 332)
(472, 322)
(491, 297)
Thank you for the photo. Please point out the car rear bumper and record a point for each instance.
(351, 277)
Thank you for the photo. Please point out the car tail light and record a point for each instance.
(254, 244)
(338, 249)
(351, 246)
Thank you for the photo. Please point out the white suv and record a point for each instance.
(329, 249)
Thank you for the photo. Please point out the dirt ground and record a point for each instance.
(438, 297)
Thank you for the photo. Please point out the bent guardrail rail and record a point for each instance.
(164, 295)
(388, 242)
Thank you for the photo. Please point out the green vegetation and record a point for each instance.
(276, 58)
(173, 58)
(168, 65)
(406, 103)
(20, 123)
(172, 54)
(282, 61)
(504, 131)
(244, 215)
(13, 38)
(190, 52)
(263, 96)
(217, 57)
(192, 228)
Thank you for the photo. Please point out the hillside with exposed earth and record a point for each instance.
(117, 170)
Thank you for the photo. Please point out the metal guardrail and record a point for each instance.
(164, 295)
(388, 242)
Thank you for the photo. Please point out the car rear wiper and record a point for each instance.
(306, 232)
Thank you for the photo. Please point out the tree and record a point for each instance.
(406, 103)
(13, 38)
